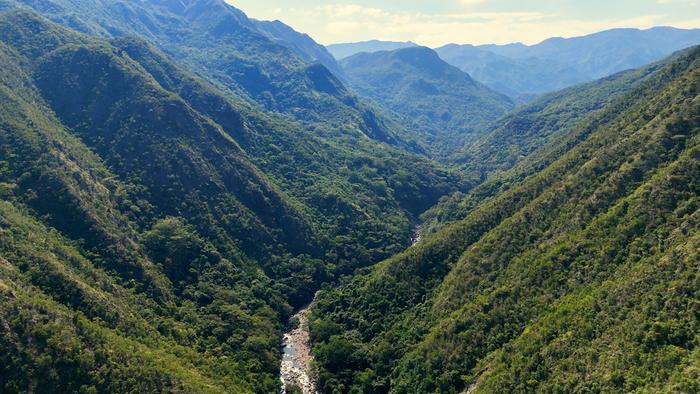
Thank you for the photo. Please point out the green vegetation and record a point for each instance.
(532, 137)
(255, 62)
(206, 218)
(161, 216)
(444, 105)
(580, 277)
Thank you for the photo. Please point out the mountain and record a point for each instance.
(301, 43)
(341, 51)
(264, 63)
(576, 270)
(437, 100)
(176, 180)
(523, 71)
(517, 137)
(311, 161)
(156, 231)
(100, 305)
(520, 78)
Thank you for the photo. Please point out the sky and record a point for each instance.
(438, 22)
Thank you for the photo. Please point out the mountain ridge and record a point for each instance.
(342, 51)
(238, 54)
(555, 63)
(444, 105)
(487, 303)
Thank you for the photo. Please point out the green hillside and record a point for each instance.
(580, 278)
(200, 218)
(269, 67)
(178, 181)
(531, 137)
(444, 105)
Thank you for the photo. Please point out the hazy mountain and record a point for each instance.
(341, 51)
(301, 43)
(552, 277)
(445, 105)
(520, 78)
(556, 63)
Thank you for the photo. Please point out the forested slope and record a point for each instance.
(555, 284)
(533, 136)
(159, 231)
(442, 104)
(242, 57)
(90, 308)
(176, 179)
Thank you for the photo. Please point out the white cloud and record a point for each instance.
(693, 3)
(690, 24)
(471, 2)
(353, 22)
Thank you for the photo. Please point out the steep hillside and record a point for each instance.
(149, 218)
(581, 277)
(67, 327)
(443, 103)
(86, 305)
(522, 133)
(360, 194)
(523, 71)
(239, 55)
(301, 43)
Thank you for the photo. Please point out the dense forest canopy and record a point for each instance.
(177, 179)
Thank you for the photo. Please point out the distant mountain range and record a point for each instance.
(523, 71)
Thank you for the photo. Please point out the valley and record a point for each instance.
(196, 201)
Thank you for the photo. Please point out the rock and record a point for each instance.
(295, 370)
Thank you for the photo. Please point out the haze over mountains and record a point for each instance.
(341, 51)
(523, 72)
(177, 179)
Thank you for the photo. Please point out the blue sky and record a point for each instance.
(438, 22)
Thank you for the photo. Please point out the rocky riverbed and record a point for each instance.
(295, 371)
(417, 234)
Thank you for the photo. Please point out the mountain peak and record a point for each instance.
(445, 103)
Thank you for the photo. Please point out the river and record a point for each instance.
(417, 234)
(295, 370)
